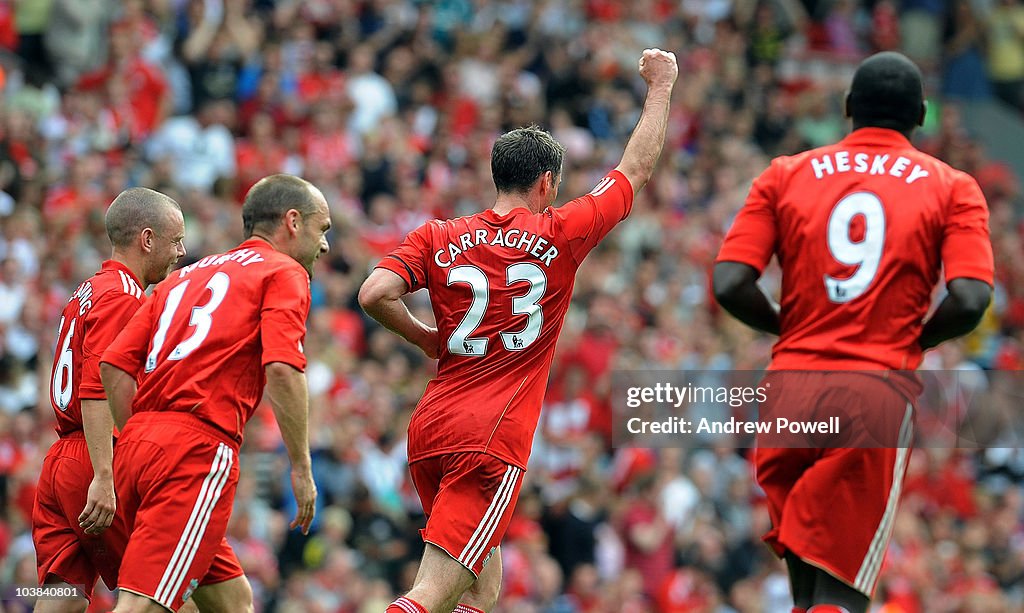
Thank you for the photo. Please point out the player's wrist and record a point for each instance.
(660, 87)
(302, 465)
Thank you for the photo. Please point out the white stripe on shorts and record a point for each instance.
(872, 564)
(195, 528)
(485, 529)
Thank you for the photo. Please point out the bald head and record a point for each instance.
(136, 209)
(887, 92)
(271, 197)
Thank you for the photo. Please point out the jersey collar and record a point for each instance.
(114, 265)
(253, 243)
(496, 218)
(875, 137)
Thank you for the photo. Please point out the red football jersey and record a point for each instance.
(861, 229)
(203, 338)
(96, 312)
(499, 287)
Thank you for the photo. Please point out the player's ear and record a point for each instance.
(548, 181)
(146, 239)
(293, 220)
(846, 106)
(924, 112)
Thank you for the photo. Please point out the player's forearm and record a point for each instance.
(645, 144)
(120, 387)
(958, 313)
(381, 298)
(393, 314)
(736, 289)
(289, 397)
(755, 309)
(98, 426)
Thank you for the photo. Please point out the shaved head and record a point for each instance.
(887, 92)
(134, 210)
(271, 197)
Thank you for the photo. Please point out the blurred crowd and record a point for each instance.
(390, 107)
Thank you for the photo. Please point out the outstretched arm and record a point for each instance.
(659, 70)
(381, 298)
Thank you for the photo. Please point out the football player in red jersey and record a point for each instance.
(205, 345)
(500, 283)
(861, 230)
(72, 527)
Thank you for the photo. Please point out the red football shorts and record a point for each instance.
(468, 499)
(63, 550)
(835, 507)
(175, 477)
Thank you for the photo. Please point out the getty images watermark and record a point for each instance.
(734, 397)
(821, 409)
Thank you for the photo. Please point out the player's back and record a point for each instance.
(500, 286)
(93, 316)
(863, 229)
(204, 335)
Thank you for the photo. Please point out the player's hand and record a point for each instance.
(305, 498)
(100, 504)
(658, 67)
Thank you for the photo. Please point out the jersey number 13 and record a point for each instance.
(201, 319)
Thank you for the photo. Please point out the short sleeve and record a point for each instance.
(103, 324)
(588, 219)
(966, 245)
(409, 260)
(128, 350)
(283, 318)
(751, 239)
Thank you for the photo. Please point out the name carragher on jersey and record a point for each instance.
(867, 164)
(535, 245)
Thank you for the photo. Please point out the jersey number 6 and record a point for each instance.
(461, 343)
(62, 375)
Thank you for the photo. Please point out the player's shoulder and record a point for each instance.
(450, 226)
(114, 283)
(944, 170)
(251, 259)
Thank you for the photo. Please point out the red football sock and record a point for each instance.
(827, 608)
(405, 605)
(465, 608)
(799, 610)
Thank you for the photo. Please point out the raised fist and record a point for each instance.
(658, 67)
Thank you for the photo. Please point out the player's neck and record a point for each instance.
(506, 203)
(267, 239)
(133, 263)
(906, 133)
